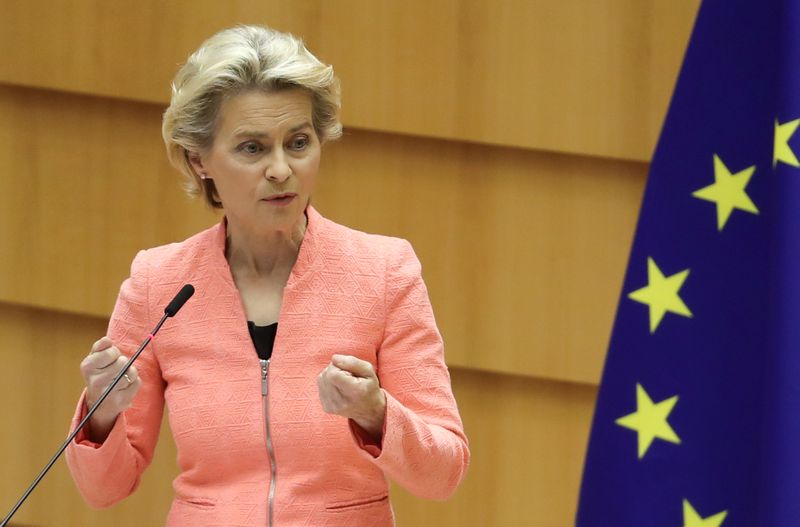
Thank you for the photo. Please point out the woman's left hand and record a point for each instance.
(349, 387)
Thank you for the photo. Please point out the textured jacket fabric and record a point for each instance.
(349, 293)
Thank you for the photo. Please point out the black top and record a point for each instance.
(263, 338)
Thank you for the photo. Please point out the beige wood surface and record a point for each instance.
(580, 77)
(39, 386)
(507, 139)
(527, 439)
(524, 252)
(90, 187)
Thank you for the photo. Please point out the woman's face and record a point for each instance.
(264, 158)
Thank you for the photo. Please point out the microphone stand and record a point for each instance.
(170, 311)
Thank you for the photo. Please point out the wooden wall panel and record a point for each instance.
(527, 439)
(91, 186)
(103, 48)
(524, 252)
(580, 77)
(39, 385)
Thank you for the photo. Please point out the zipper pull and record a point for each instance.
(264, 369)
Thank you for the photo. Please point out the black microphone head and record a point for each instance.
(183, 295)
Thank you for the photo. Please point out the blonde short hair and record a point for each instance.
(233, 61)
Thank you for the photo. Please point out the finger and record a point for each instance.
(102, 377)
(96, 362)
(118, 366)
(337, 383)
(331, 378)
(99, 381)
(344, 382)
(353, 365)
(101, 344)
(133, 373)
(131, 392)
(324, 375)
(119, 400)
(129, 380)
(355, 391)
(107, 358)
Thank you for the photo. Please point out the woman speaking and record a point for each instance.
(307, 370)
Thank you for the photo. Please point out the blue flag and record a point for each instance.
(698, 414)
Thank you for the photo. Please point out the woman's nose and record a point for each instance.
(278, 170)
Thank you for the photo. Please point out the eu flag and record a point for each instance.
(698, 414)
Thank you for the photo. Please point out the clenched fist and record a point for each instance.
(349, 387)
(99, 368)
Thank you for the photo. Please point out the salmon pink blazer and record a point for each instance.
(236, 425)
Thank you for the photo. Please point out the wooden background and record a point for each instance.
(507, 139)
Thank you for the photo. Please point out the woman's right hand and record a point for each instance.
(99, 368)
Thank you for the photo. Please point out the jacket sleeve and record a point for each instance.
(423, 448)
(108, 472)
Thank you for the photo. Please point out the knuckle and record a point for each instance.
(91, 361)
(85, 368)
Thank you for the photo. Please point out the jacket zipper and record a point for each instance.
(270, 449)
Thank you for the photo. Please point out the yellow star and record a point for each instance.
(650, 420)
(782, 151)
(728, 191)
(661, 294)
(692, 519)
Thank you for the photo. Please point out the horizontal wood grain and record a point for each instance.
(524, 252)
(527, 439)
(591, 78)
(40, 383)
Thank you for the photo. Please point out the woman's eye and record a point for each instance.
(299, 143)
(250, 148)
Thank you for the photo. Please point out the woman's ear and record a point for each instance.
(196, 161)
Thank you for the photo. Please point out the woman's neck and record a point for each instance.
(263, 254)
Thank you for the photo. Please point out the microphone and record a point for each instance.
(172, 308)
(183, 295)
